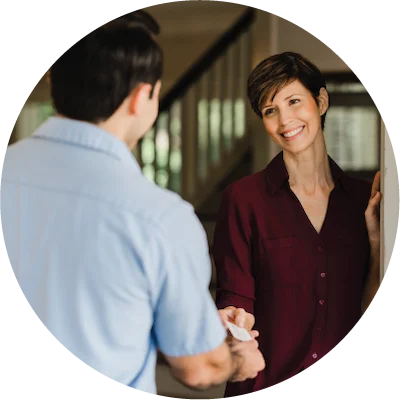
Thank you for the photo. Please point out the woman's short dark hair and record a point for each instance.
(92, 78)
(275, 72)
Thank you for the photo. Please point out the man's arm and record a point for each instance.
(187, 327)
(237, 363)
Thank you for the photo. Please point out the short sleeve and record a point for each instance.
(186, 320)
(232, 254)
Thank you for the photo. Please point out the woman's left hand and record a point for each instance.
(372, 211)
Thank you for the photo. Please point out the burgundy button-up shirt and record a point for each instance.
(303, 287)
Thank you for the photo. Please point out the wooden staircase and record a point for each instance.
(201, 142)
(202, 129)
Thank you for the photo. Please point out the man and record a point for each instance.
(113, 265)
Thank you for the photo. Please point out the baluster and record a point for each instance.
(249, 66)
(146, 154)
(227, 113)
(222, 99)
(210, 86)
(161, 150)
(175, 148)
(234, 82)
(241, 98)
(137, 152)
(189, 142)
(229, 101)
(214, 116)
(156, 133)
(202, 112)
(170, 140)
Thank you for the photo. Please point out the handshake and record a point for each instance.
(247, 358)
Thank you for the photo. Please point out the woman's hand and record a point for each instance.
(372, 212)
(237, 316)
(240, 318)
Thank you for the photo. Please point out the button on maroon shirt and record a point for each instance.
(304, 288)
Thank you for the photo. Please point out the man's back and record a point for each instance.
(101, 253)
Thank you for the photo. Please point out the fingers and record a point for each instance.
(254, 334)
(373, 204)
(239, 347)
(240, 317)
(234, 343)
(227, 314)
(244, 319)
(376, 184)
(223, 316)
(376, 199)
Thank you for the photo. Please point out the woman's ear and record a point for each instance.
(323, 101)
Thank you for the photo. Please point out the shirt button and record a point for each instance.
(319, 329)
(321, 302)
(323, 274)
(320, 249)
(314, 356)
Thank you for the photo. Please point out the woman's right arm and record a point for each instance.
(233, 259)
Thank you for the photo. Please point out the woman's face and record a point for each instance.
(293, 118)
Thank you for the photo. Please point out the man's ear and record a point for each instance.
(138, 98)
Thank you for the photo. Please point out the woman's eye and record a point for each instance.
(294, 101)
(269, 111)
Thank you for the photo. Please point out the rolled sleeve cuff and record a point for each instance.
(226, 299)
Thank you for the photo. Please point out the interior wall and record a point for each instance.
(273, 35)
(390, 200)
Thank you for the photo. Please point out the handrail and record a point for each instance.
(193, 163)
(207, 59)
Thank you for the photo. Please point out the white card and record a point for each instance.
(239, 333)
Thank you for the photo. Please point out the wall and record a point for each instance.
(390, 200)
(274, 35)
(188, 29)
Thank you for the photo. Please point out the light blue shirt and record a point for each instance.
(113, 265)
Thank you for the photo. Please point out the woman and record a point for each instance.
(296, 246)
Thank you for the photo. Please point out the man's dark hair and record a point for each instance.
(275, 72)
(92, 78)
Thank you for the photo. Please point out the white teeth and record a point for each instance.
(292, 133)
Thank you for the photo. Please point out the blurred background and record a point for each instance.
(206, 135)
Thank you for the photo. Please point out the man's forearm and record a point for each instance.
(213, 372)
(373, 278)
(236, 374)
(219, 373)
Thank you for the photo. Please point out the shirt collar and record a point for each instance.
(87, 135)
(276, 175)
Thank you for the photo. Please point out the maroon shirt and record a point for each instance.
(304, 288)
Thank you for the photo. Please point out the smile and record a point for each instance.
(290, 134)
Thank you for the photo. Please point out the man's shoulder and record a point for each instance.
(148, 199)
(158, 208)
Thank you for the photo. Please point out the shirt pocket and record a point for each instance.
(280, 263)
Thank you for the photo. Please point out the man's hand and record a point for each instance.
(252, 361)
(237, 316)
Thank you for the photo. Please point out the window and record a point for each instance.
(352, 126)
(32, 115)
